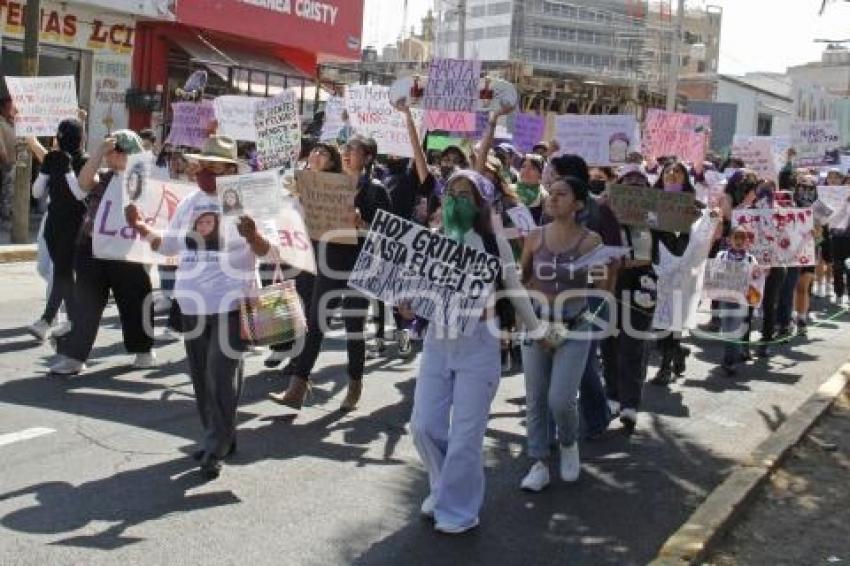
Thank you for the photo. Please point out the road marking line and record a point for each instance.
(27, 434)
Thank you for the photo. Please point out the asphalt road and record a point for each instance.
(94, 469)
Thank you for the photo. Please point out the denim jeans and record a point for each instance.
(786, 297)
(733, 318)
(552, 382)
(593, 401)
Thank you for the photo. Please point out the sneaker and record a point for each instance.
(67, 366)
(62, 329)
(405, 347)
(145, 361)
(537, 477)
(570, 463)
(39, 329)
(614, 407)
(449, 529)
(427, 508)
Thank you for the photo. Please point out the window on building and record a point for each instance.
(764, 127)
(700, 66)
(498, 8)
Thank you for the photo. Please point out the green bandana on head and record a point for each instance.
(528, 193)
(458, 216)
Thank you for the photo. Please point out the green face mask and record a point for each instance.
(458, 216)
(528, 193)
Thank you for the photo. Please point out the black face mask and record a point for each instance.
(447, 171)
(597, 186)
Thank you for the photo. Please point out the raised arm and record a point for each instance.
(88, 174)
(489, 136)
(419, 158)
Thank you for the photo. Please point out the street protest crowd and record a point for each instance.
(567, 259)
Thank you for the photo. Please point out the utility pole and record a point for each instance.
(461, 29)
(675, 55)
(29, 68)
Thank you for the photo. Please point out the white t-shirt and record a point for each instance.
(216, 265)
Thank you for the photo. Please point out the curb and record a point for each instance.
(18, 253)
(692, 542)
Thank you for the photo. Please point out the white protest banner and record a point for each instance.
(814, 140)
(522, 219)
(328, 201)
(836, 199)
(781, 237)
(112, 238)
(442, 280)
(293, 242)
(333, 118)
(41, 103)
(136, 179)
(757, 153)
(680, 279)
(675, 134)
(370, 114)
(191, 124)
(235, 116)
(600, 139)
(278, 131)
(740, 282)
(452, 85)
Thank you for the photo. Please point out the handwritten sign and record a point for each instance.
(370, 114)
(42, 102)
(449, 121)
(191, 123)
(647, 207)
(757, 153)
(836, 199)
(674, 133)
(740, 282)
(600, 140)
(528, 131)
(449, 287)
(813, 141)
(333, 123)
(235, 116)
(779, 236)
(452, 85)
(328, 201)
(278, 131)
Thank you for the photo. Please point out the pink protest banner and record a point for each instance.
(448, 121)
(779, 237)
(675, 134)
(528, 131)
(191, 123)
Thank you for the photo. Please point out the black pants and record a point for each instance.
(840, 254)
(354, 325)
(770, 303)
(61, 248)
(129, 283)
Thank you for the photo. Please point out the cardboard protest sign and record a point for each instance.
(758, 154)
(328, 201)
(648, 207)
(815, 141)
(779, 236)
(452, 85)
(42, 102)
(191, 123)
(528, 131)
(599, 139)
(740, 282)
(449, 121)
(370, 114)
(674, 133)
(333, 123)
(278, 131)
(442, 280)
(680, 279)
(112, 238)
(235, 116)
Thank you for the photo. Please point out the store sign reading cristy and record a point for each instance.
(81, 29)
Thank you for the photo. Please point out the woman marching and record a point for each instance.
(217, 266)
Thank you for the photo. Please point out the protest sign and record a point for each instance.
(443, 281)
(135, 180)
(256, 194)
(522, 220)
(452, 85)
(757, 153)
(835, 199)
(235, 116)
(278, 131)
(439, 143)
(112, 238)
(41, 103)
(780, 237)
(599, 139)
(328, 201)
(710, 192)
(449, 121)
(815, 141)
(370, 114)
(333, 123)
(293, 241)
(647, 207)
(191, 123)
(740, 282)
(674, 133)
(528, 131)
(680, 279)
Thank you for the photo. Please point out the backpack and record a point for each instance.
(504, 306)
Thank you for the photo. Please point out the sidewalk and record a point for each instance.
(9, 252)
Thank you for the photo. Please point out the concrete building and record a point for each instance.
(832, 72)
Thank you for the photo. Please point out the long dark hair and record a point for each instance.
(687, 186)
(483, 224)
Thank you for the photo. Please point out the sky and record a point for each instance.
(757, 35)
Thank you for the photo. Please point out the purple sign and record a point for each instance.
(528, 131)
(191, 123)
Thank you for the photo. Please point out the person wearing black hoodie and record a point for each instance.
(65, 210)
